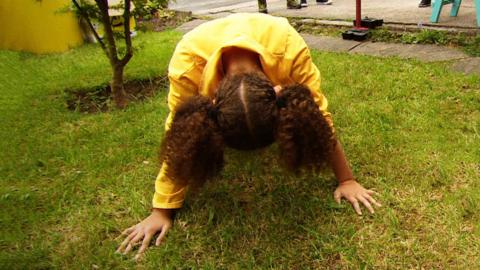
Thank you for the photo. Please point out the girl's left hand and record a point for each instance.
(355, 193)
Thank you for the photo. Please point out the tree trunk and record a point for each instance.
(118, 91)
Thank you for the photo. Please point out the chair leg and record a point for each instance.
(477, 7)
(455, 8)
(436, 10)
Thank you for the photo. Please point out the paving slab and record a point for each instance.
(329, 44)
(425, 53)
(392, 11)
(468, 66)
(184, 28)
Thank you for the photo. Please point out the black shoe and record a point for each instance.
(264, 11)
(294, 6)
(303, 3)
(425, 3)
(324, 2)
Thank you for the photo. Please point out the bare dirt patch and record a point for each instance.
(99, 98)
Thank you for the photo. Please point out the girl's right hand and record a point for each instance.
(159, 221)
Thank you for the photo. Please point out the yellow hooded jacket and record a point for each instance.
(195, 68)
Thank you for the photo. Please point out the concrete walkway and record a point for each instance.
(426, 53)
(405, 12)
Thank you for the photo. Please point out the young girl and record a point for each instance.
(226, 79)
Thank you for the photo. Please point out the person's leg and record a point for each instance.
(425, 3)
(262, 6)
(293, 4)
(303, 3)
(324, 2)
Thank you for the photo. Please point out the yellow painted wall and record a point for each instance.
(38, 26)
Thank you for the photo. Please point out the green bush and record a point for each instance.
(146, 8)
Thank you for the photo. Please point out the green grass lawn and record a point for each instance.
(71, 182)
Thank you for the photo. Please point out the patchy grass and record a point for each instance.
(71, 182)
(322, 30)
(470, 43)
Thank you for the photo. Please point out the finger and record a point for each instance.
(126, 232)
(372, 192)
(367, 204)
(162, 234)
(356, 206)
(145, 244)
(126, 241)
(135, 241)
(372, 200)
(337, 196)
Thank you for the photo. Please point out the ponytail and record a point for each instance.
(304, 136)
(193, 147)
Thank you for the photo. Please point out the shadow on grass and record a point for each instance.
(256, 213)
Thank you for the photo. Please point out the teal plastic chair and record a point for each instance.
(438, 4)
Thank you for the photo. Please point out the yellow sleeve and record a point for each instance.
(305, 72)
(168, 194)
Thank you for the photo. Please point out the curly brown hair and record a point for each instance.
(246, 115)
(193, 146)
(304, 137)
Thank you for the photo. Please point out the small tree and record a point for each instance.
(99, 10)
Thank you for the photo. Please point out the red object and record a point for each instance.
(358, 19)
